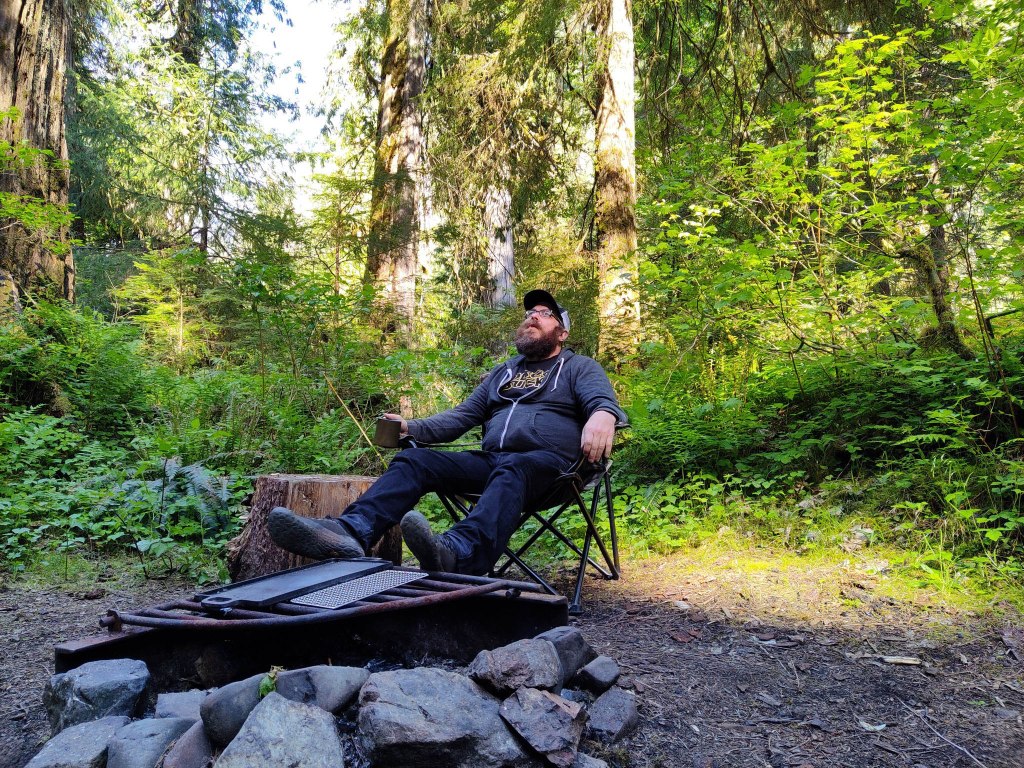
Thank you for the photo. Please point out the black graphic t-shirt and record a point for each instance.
(528, 379)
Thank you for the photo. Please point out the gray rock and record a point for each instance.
(191, 750)
(586, 761)
(141, 744)
(224, 711)
(330, 688)
(547, 722)
(79, 746)
(613, 715)
(281, 733)
(598, 676)
(428, 717)
(573, 649)
(95, 690)
(522, 664)
(185, 704)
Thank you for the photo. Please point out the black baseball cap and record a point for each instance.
(545, 299)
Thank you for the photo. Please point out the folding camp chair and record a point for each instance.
(567, 493)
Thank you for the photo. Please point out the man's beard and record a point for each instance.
(539, 348)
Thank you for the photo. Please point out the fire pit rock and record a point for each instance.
(281, 733)
(94, 690)
(434, 717)
(547, 722)
(192, 750)
(185, 704)
(225, 710)
(573, 649)
(613, 715)
(83, 745)
(524, 664)
(598, 676)
(586, 761)
(330, 688)
(345, 715)
(140, 744)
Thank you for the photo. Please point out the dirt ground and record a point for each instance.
(755, 665)
(766, 666)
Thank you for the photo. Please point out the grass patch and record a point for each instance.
(824, 587)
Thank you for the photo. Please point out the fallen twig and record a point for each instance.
(948, 741)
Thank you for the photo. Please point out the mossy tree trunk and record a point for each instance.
(500, 290)
(615, 201)
(35, 51)
(931, 261)
(392, 263)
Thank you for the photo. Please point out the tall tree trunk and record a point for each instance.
(392, 245)
(615, 168)
(500, 291)
(35, 51)
(187, 38)
(188, 41)
(932, 262)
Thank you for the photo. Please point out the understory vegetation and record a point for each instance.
(107, 452)
(791, 234)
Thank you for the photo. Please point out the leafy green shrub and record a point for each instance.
(74, 364)
(936, 436)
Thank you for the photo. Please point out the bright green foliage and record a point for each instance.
(928, 442)
(117, 453)
(36, 215)
(76, 365)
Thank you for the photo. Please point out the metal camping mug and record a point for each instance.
(388, 433)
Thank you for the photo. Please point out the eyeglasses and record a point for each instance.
(545, 313)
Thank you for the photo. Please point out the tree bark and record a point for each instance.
(615, 168)
(392, 262)
(932, 263)
(501, 290)
(35, 52)
(253, 554)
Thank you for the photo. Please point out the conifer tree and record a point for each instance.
(392, 259)
(615, 168)
(35, 45)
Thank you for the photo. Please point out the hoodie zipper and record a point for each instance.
(507, 377)
(501, 440)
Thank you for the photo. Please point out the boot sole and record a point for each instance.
(307, 538)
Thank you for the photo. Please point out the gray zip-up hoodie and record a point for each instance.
(550, 418)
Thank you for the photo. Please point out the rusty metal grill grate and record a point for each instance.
(351, 591)
(394, 589)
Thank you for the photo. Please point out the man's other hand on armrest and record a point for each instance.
(598, 435)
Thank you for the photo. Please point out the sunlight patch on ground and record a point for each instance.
(740, 583)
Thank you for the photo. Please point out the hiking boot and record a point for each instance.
(309, 537)
(432, 551)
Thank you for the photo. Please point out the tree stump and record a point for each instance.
(252, 553)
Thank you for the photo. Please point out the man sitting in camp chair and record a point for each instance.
(541, 410)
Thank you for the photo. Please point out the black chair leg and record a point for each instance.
(576, 606)
(612, 535)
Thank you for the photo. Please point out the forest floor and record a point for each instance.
(756, 659)
(738, 659)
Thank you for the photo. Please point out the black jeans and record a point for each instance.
(509, 483)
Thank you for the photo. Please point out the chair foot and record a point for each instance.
(575, 609)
